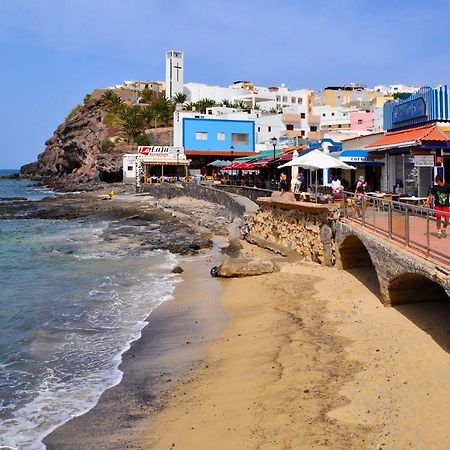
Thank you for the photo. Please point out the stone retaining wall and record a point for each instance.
(246, 191)
(167, 190)
(308, 233)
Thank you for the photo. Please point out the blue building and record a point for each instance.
(218, 135)
(416, 144)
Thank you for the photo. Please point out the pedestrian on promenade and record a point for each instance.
(296, 185)
(301, 178)
(360, 188)
(439, 194)
(336, 188)
(283, 182)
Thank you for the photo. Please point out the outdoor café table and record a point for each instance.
(417, 201)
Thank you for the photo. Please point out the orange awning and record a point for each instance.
(410, 137)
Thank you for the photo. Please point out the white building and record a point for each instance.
(174, 73)
(333, 117)
(395, 89)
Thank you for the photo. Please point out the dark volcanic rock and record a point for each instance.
(73, 153)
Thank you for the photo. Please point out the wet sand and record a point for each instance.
(308, 359)
(170, 347)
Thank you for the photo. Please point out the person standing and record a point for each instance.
(283, 182)
(336, 188)
(439, 195)
(360, 188)
(301, 179)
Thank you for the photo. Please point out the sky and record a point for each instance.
(53, 52)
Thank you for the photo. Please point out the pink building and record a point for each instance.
(362, 120)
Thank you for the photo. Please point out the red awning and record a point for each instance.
(410, 136)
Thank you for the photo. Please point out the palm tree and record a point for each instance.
(112, 100)
(164, 110)
(205, 103)
(130, 122)
(148, 115)
(189, 106)
(179, 97)
(240, 105)
(147, 96)
(226, 103)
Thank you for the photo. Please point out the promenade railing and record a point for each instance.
(411, 226)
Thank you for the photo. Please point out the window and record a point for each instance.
(302, 132)
(300, 100)
(293, 100)
(332, 114)
(130, 168)
(289, 126)
(278, 98)
(285, 99)
(201, 135)
(269, 129)
(339, 125)
(259, 129)
(312, 128)
(360, 122)
(220, 136)
(302, 115)
(323, 115)
(239, 138)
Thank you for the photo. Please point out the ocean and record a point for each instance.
(71, 303)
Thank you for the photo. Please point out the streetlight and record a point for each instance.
(178, 162)
(274, 141)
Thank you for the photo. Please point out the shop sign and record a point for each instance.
(355, 159)
(409, 110)
(159, 151)
(424, 160)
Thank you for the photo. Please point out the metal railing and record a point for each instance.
(410, 226)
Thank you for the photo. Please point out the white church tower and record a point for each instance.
(174, 73)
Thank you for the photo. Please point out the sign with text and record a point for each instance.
(409, 110)
(424, 160)
(160, 151)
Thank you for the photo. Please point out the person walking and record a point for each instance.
(439, 194)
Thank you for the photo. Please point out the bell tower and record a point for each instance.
(174, 73)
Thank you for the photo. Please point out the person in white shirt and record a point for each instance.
(336, 188)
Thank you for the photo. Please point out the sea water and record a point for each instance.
(70, 305)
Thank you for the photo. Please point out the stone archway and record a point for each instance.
(354, 257)
(353, 254)
(413, 288)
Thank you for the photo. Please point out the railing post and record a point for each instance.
(389, 219)
(363, 210)
(407, 226)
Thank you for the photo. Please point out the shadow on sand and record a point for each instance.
(431, 317)
(368, 277)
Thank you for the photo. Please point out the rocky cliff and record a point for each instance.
(74, 153)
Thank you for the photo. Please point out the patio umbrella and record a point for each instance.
(219, 163)
(315, 160)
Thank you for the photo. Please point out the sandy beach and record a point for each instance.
(305, 358)
(311, 359)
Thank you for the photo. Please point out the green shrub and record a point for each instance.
(73, 112)
(107, 146)
(141, 139)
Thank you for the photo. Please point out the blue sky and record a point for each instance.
(54, 52)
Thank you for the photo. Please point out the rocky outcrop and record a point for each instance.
(71, 153)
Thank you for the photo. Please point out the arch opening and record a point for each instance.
(415, 288)
(353, 254)
(355, 259)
